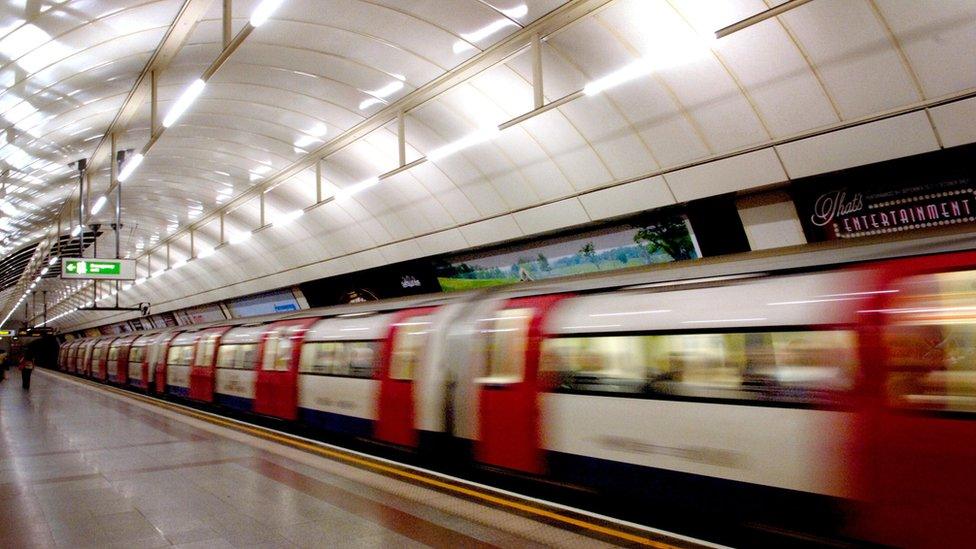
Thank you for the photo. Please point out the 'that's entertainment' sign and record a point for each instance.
(914, 193)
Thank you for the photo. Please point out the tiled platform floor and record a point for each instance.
(80, 467)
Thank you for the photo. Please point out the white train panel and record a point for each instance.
(348, 396)
(178, 376)
(239, 383)
(799, 300)
(135, 370)
(784, 447)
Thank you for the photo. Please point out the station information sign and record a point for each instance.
(98, 269)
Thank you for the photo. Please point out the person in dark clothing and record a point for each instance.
(26, 369)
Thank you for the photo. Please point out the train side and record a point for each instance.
(755, 396)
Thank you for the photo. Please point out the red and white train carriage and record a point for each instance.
(760, 395)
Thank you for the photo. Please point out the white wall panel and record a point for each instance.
(628, 198)
(883, 140)
(771, 223)
(737, 173)
(401, 251)
(442, 242)
(496, 229)
(557, 215)
(956, 122)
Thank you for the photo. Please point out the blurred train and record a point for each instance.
(840, 399)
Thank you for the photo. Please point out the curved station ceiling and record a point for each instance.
(274, 153)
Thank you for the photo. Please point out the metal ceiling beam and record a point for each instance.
(172, 42)
(230, 46)
(554, 21)
(759, 17)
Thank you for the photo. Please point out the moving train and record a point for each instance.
(835, 400)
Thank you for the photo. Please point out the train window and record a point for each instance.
(409, 342)
(180, 355)
(226, 356)
(319, 358)
(612, 364)
(97, 354)
(505, 336)
(930, 342)
(136, 355)
(341, 358)
(283, 350)
(810, 366)
(274, 340)
(361, 355)
(237, 356)
(205, 350)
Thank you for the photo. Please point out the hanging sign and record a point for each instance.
(98, 269)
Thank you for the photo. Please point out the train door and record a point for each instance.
(922, 460)
(402, 353)
(156, 360)
(202, 373)
(508, 390)
(117, 360)
(135, 360)
(99, 363)
(276, 386)
(69, 355)
(84, 364)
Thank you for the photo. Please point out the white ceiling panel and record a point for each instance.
(893, 138)
(848, 44)
(629, 198)
(738, 173)
(934, 40)
(954, 122)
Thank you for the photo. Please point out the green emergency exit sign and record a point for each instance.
(100, 269)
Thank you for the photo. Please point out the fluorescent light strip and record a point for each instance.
(99, 204)
(287, 217)
(476, 138)
(620, 76)
(185, 100)
(130, 166)
(263, 12)
(723, 320)
(632, 313)
(348, 192)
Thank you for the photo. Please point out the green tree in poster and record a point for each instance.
(669, 236)
(543, 262)
(588, 253)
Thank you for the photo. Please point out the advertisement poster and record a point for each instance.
(932, 190)
(621, 247)
(403, 279)
(200, 315)
(263, 304)
(163, 320)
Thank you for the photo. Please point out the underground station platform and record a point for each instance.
(89, 466)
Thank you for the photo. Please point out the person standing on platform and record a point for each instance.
(26, 369)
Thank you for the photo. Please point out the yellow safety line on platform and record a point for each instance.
(295, 442)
